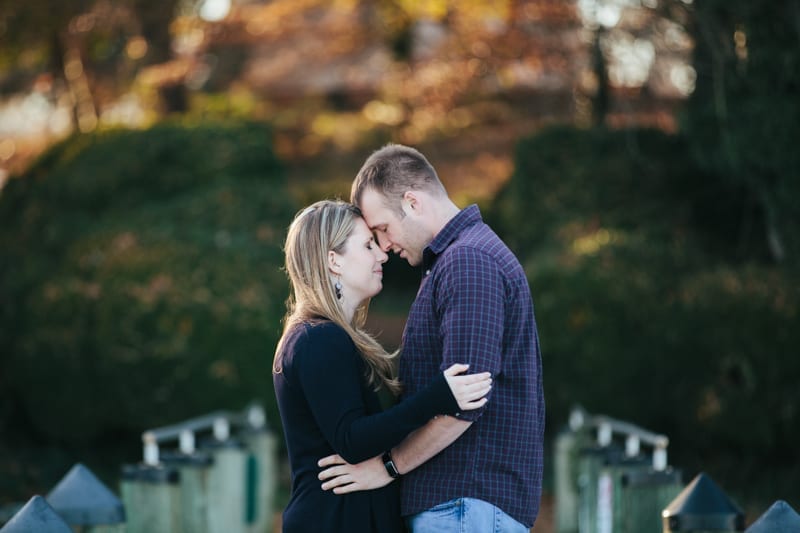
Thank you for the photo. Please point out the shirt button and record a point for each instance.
(427, 272)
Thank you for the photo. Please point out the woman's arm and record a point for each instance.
(330, 373)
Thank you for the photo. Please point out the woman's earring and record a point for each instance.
(338, 288)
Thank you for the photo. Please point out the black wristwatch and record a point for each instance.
(391, 468)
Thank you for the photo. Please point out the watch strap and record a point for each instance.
(388, 463)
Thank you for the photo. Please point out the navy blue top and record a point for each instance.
(474, 306)
(327, 407)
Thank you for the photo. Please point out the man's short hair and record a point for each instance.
(392, 171)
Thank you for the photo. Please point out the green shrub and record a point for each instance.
(141, 279)
(653, 303)
(567, 183)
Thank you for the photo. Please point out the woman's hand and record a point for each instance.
(469, 390)
(343, 478)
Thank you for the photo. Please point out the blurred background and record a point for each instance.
(639, 156)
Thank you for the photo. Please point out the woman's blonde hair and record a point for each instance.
(314, 232)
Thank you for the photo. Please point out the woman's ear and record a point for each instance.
(333, 262)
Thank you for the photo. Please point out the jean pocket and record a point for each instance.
(448, 508)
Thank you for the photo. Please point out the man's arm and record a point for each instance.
(418, 447)
(427, 441)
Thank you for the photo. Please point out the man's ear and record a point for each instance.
(333, 262)
(411, 203)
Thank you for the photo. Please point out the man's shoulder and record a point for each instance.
(480, 251)
(480, 239)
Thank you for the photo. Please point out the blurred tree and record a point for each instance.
(37, 37)
(36, 27)
(600, 68)
(744, 115)
(81, 44)
(154, 20)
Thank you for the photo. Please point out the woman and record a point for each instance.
(327, 370)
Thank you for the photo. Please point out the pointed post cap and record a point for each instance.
(82, 500)
(36, 515)
(702, 506)
(780, 518)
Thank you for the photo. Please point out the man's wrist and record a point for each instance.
(389, 464)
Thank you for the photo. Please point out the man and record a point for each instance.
(479, 470)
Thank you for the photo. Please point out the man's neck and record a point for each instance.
(445, 211)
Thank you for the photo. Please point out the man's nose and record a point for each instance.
(384, 243)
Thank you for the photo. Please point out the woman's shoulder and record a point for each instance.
(319, 337)
(324, 329)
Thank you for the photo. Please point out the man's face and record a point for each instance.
(405, 236)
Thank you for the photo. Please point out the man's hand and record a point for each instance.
(343, 477)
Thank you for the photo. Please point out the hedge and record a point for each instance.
(655, 303)
(141, 280)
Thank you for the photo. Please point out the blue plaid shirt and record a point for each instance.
(474, 306)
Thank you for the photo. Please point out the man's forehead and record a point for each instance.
(374, 221)
(373, 207)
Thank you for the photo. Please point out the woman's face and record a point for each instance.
(360, 265)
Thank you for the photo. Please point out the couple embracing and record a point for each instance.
(461, 450)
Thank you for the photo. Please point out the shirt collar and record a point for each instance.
(465, 218)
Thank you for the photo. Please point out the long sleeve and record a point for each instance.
(470, 302)
(331, 374)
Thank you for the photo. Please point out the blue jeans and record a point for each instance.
(464, 515)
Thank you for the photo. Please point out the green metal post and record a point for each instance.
(262, 475)
(226, 487)
(640, 493)
(194, 471)
(152, 499)
(567, 456)
(591, 508)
